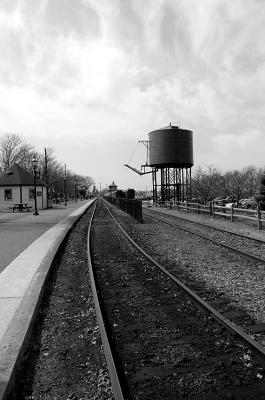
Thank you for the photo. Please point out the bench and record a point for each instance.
(20, 207)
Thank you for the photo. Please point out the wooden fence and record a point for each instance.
(130, 206)
(231, 212)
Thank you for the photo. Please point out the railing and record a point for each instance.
(255, 215)
(130, 206)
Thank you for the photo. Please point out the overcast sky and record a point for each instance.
(92, 77)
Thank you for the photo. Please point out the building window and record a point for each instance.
(8, 194)
(31, 194)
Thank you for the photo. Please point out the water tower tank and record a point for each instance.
(171, 147)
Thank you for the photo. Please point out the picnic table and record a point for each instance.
(20, 207)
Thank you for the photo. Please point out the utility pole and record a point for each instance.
(46, 174)
(46, 166)
(64, 179)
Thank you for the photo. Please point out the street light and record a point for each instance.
(34, 163)
(75, 193)
(64, 180)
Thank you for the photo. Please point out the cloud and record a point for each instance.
(235, 151)
(53, 18)
(8, 6)
(242, 142)
(128, 30)
(120, 69)
(72, 18)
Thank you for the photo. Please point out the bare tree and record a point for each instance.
(241, 183)
(49, 167)
(234, 184)
(252, 180)
(13, 149)
(207, 183)
(261, 179)
(89, 181)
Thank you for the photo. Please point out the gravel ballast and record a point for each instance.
(66, 357)
(239, 279)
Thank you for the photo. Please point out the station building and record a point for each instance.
(17, 186)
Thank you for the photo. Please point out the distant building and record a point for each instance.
(94, 191)
(112, 188)
(17, 186)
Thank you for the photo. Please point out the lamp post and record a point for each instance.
(64, 182)
(64, 185)
(75, 193)
(34, 163)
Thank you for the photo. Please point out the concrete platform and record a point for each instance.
(28, 245)
(19, 230)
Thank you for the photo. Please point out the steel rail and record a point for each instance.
(226, 246)
(116, 387)
(208, 226)
(257, 349)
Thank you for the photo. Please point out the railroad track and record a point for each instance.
(160, 344)
(222, 300)
(256, 247)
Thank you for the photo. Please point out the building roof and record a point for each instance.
(16, 175)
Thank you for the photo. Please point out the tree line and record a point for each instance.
(209, 183)
(14, 149)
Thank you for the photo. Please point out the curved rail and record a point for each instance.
(248, 255)
(116, 387)
(257, 349)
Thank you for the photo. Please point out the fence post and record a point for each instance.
(259, 217)
(232, 212)
(198, 208)
(187, 206)
(213, 210)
